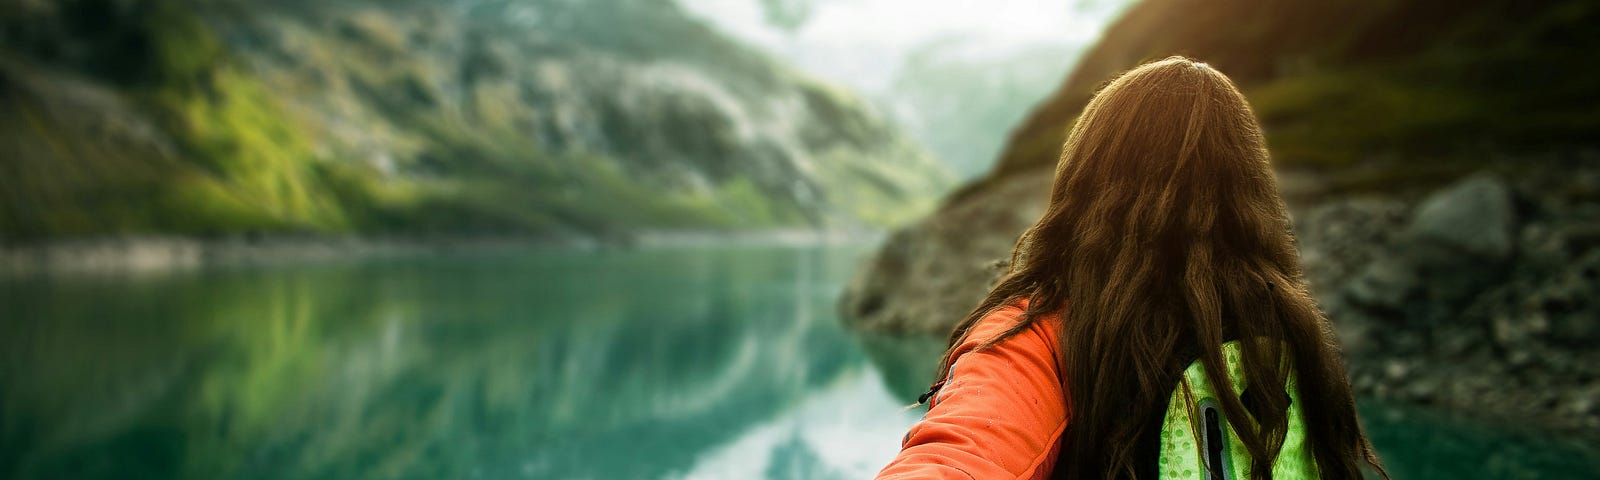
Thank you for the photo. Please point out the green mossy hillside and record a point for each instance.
(220, 118)
(1338, 85)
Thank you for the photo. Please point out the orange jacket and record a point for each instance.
(1000, 414)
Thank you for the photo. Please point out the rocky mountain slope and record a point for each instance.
(442, 117)
(1483, 296)
(1372, 110)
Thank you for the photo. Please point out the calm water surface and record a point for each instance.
(716, 361)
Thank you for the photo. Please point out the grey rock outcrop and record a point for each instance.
(1456, 243)
(1475, 217)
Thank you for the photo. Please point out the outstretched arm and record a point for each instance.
(999, 415)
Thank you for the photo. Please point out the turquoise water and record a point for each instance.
(716, 361)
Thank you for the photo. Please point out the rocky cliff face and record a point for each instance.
(447, 117)
(1369, 108)
(1481, 296)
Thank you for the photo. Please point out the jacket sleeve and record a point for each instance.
(999, 415)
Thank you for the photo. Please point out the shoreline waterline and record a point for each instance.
(163, 253)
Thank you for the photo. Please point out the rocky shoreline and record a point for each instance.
(1481, 296)
(158, 253)
(141, 254)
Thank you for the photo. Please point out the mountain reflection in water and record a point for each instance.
(701, 361)
(708, 361)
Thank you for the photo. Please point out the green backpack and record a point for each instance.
(1197, 442)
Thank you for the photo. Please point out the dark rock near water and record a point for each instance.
(1484, 297)
(927, 277)
(1502, 308)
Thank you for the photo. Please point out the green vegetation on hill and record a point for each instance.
(82, 159)
(223, 117)
(1375, 83)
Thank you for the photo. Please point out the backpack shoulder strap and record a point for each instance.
(1197, 443)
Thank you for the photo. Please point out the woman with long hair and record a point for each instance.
(1155, 321)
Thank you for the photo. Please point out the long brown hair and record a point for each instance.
(1165, 233)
